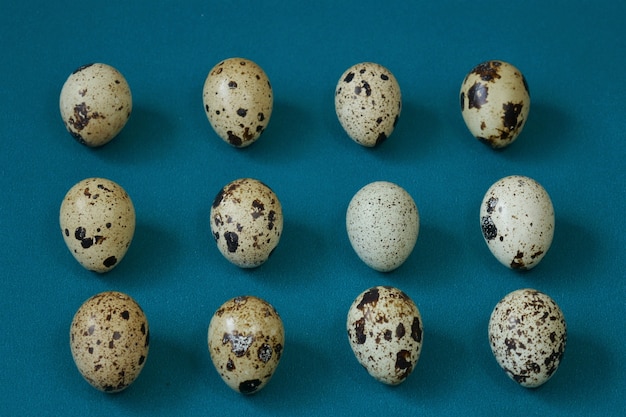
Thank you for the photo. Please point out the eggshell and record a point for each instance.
(385, 332)
(97, 220)
(495, 102)
(382, 222)
(368, 103)
(517, 221)
(95, 104)
(527, 333)
(246, 339)
(109, 340)
(238, 101)
(246, 222)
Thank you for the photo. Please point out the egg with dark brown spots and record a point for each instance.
(495, 102)
(246, 338)
(109, 340)
(238, 101)
(528, 333)
(95, 104)
(385, 333)
(517, 221)
(246, 222)
(368, 103)
(97, 220)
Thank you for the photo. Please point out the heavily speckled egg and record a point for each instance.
(527, 333)
(246, 339)
(382, 221)
(95, 104)
(97, 221)
(238, 101)
(109, 340)
(246, 222)
(385, 333)
(368, 103)
(495, 102)
(517, 221)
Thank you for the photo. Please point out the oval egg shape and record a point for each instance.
(246, 339)
(109, 340)
(517, 221)
(246, 222)
(97, 220)
(385, 332)
(382, 222)
(95, 104)
(527, 334)
(238, 101)
(495, 102)
(368, 103)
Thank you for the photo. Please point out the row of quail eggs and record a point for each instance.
(109, 334)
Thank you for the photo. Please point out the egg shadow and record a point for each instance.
(546, 132)
(146, 138)
(441, 368)
(415, 135)
(154, 252)
(287, 136)
(171, 375)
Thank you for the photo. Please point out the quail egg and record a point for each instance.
(97, 220)
(95, 104)
(246, 339)
(517, 221)
(527, 333)
(495, 102)
(385, 333)
(238, 101)
(368, 103)
(109, 340)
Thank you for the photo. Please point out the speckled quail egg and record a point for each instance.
(95, 104)
(109, 340)
(238, 101)
(97, 220)
(527, 333)
(495, 102)
(517, 221)
(368, 103)
(382, 222)
(385, 333)
(246, 339)
(246, 222)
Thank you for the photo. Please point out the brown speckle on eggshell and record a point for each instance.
(109, 340)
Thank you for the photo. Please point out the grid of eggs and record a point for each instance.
(246, 334)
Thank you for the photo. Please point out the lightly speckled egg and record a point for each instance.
(246, 339)
(368, 103)
(238, 101)
(246, 222)
(385, 332)
(97, 221)
(95, 104)
(517, 221)
(495, 102)
(527, 333)
(109, 340)
(382, 222)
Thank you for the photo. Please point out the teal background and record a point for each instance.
(573, 54)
